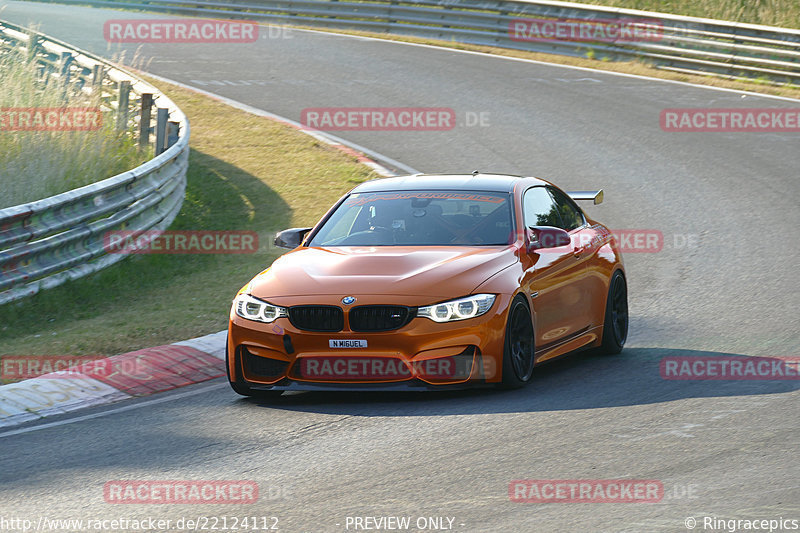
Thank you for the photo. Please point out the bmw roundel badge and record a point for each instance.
(347, 300)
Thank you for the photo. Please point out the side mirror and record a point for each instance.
(540, 237)
(291, 238)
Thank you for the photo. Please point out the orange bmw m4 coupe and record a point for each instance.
(430, 282)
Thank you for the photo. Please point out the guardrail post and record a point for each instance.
(448, 9)
(122, 107)
(64, 71)
(173, 132)
(144, 119)
(162, 117)
(65, 63)
(33, 46)
(97, 76)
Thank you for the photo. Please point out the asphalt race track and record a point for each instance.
(725, 282)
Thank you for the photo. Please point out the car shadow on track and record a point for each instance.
(581, 381)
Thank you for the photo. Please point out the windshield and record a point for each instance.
(419, 218)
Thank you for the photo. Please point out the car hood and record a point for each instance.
(439, 272)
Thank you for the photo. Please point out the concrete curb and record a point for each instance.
(119, 377)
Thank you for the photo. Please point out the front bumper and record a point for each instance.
(422, 355)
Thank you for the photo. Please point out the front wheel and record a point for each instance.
(615, 325)
(518, 349)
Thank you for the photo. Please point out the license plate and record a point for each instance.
(347, 343)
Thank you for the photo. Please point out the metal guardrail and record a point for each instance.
(49, 241)
(685, 44)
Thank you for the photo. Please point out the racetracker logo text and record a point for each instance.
(628, 240)
(378, 368)
(16, 367)
(730, 120)
(378, 118)
(637, 240)
(582, 31)
(50, 119)
(180, 31)
(180, 242)
(181, 491)
(585, 491)
(730, 368)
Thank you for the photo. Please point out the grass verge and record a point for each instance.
(785, 13)
(245, 173)
(65, 157)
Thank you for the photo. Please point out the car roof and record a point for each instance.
(459, 182)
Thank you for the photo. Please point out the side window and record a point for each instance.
(570, 215)
(539, 209)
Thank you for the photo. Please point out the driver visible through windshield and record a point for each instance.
(419, 218)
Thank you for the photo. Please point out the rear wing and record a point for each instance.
(594, 196)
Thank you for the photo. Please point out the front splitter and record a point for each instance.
(399, 386)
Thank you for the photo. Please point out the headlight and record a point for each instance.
(254, 309)
(460, 309)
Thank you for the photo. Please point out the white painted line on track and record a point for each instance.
(471, 52)
(145, 403)
(547, 63)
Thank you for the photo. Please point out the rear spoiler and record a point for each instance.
(594, 196)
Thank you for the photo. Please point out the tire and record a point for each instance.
(239, 387)
(615, 323)
(518, 348)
